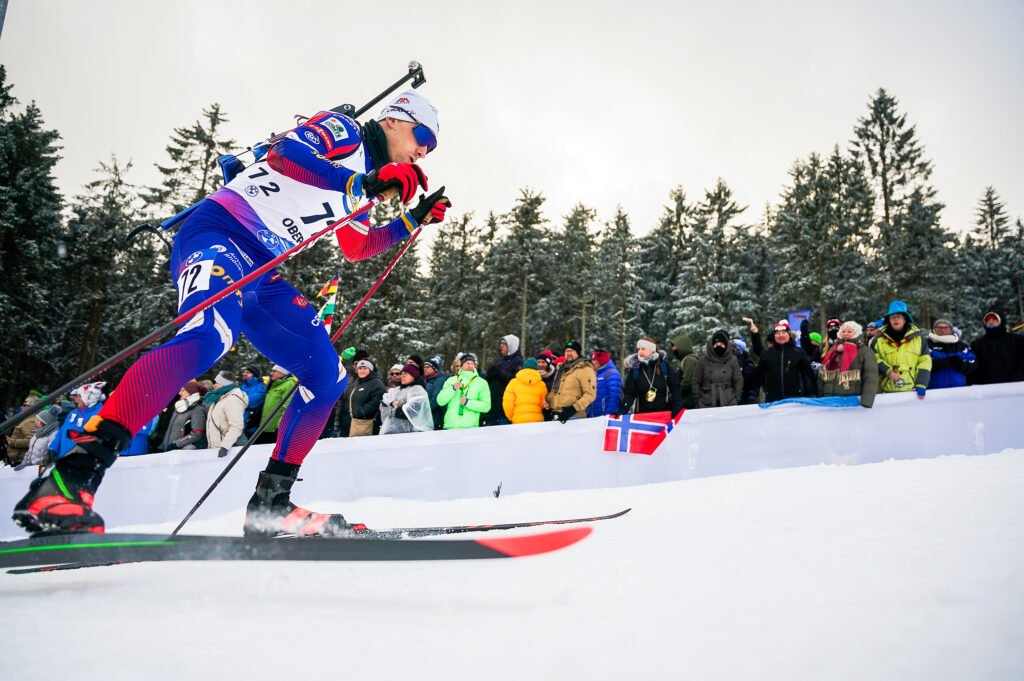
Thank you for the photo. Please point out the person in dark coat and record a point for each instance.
(434, 379)
(501, 372)
(362, 402)
(784, 370)
(717, 379)
(682, 351)
(650, 382)
(952, 359)
(747, 366)
(999, 354)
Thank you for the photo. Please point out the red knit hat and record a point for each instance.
(602, 357)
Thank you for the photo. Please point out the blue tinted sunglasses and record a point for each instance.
(424, 135)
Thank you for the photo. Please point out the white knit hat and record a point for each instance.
(281, 369)
(412, 102)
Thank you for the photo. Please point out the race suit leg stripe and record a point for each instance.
(282, 325)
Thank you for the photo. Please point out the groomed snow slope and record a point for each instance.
(895, 570)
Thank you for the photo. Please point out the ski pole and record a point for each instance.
(185, 316)
(263, 426)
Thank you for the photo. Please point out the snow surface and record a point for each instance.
(894, 570)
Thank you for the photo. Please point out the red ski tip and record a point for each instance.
(534, 544)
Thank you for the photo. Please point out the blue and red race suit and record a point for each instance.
(311, 177)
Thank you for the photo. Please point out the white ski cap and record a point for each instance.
(412, 102)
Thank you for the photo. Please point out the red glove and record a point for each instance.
(407, 177)
(431, 208)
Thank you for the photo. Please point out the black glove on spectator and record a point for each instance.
(222, 452)
(566, 413)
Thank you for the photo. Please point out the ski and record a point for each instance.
(69, 551)
(413, 532)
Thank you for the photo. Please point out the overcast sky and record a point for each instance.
(603, 103)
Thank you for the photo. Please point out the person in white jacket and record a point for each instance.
(47, 424)
(225, 421)
(407, 407)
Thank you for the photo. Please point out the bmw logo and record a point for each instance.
(251, 190)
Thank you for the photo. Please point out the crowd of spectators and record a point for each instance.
(891, 354)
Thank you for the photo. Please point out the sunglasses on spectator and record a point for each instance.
(396, 373)
(424, 136)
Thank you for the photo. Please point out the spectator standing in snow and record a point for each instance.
(574, 386)
(999, 353)
(849, 367)
(649, 382)
(256, 391)
(280, 389)
(465, 396)
(187, 427)
(501, 372)
(523, 400)
(952, 359)
(717, 379)
(407, 408)
(434, 380)
(225, 417)
(609, 385)
(901, 348)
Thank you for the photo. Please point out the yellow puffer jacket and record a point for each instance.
(524, 397)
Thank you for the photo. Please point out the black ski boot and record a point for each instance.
(62, 501)
(271, 513)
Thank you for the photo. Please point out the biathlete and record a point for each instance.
(314, 175)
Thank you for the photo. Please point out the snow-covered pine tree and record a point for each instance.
(454, 287)
(709, 278)
(571, 299)
(513, 271)
(818, 236)
(659, 260)
(32, 273)
(192, 172)
(988, 268)
(100, 220)
(616, 320)
(907, 212)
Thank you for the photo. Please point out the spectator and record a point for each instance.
(501, 372)
(682, 351)
(523, 401)
(280, 388)
(609, 385)
(546, 367)
(417, 360)
(465, 396)
(407, 408)
(434, 379)
(46, 425)
(747, 367)
(88, 400)
(573, 387)
(952, 359)
(784, 370)
(1000, 354)
(225, 416)
(256, 390)
(19, 439)
(902, 353)
(810, 341)
(139, 443)
(717, 379)
(394, 376)
(363, 404)
(849, 367)
(871, 331)
(187, 427)
(650, 383)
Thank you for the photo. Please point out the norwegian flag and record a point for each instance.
(638, 433)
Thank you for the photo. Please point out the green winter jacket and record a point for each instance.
(910, 356)
(478, 400)
(276, 391)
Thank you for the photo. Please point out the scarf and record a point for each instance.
(841, 356)
(214, 395)
(376, 143)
